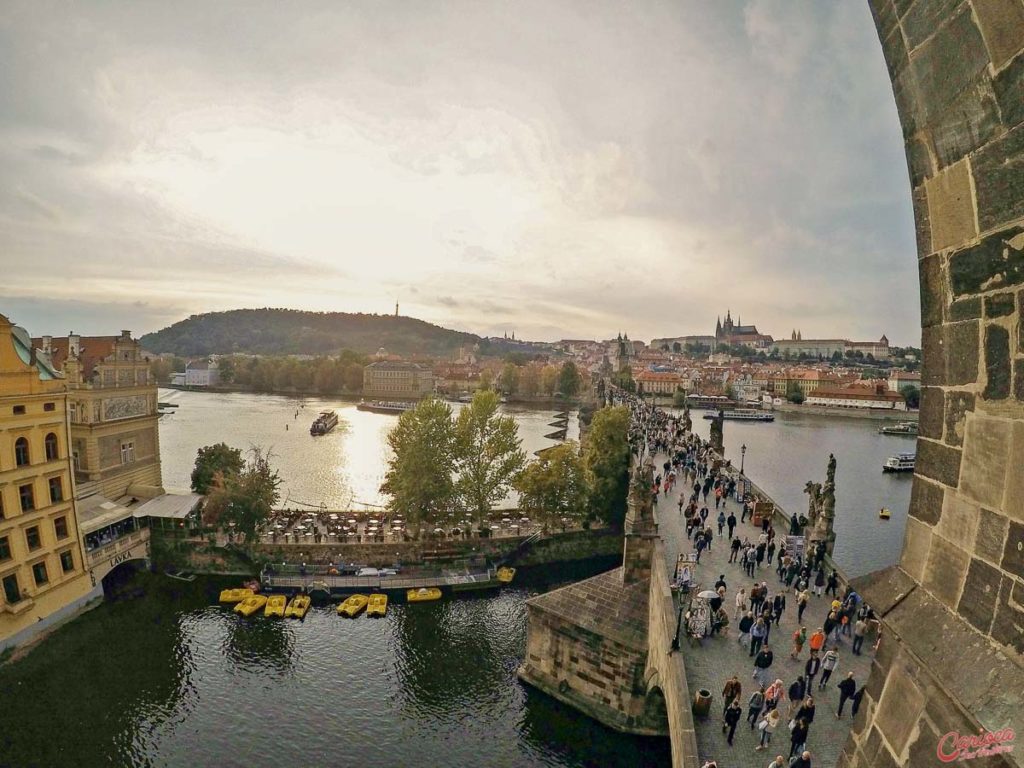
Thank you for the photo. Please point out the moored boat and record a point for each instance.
(353, 605)
(319, 591)
(231, 596)
(298, 607)
(908, 428)
(251, 605)
(384, 406)
(377, 605)
(423, 595)
(884, 513)
(324, 423)
(506, 574)
(743, 414)
(275, 605)
(901, 462)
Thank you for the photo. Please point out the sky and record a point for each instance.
(557, 169)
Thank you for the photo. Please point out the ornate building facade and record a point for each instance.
(732, 333)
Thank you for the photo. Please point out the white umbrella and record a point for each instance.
(707, 594)
(300, 527)
(438, 530)
(495, 527)
(524, 519)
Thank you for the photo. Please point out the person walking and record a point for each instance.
(732, 717)
(811, 669)
(797, 737)
(803, 760)
(762, 663)
(746, 624)
(833, 584)
(720, 520)
(732, 690)
(754, 706)
(802, 599)
(778, 762)
(817, 641)
(770, 551)
(847, 690)
(731, 522)
(860, 629)
(799, 638)
(796, 693)
(772, 695)
(734, 555)
(806, 711)
(779, 606)
(767, 728)
(828, 665)
(741, 603)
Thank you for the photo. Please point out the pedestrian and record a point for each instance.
(779, 606)
(735, 547)
(817, 641)
(699, 544)
(799, 638)
(772, 695)
(721, 584)
(755, 598)
(732, 690)
(847, 689)
(746, 623)
(819, 582)
(831, 626)
(811, 669)
(806, 711)
(770, 551)
(754, 706)
(762, 663)
(741, 602)
(767, 727)
(828, 665)
(731, 522)
(859, 630)
(758, 634)
(802, 599)
(732, 717)
(797, 737)
(778, 762)
(833, 583)
(721, 521)
(795, 694)
(803, 760)
(856, 700)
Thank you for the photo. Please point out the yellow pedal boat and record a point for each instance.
(505, 575)
(423, 595)
(377, 606)
(275, 605)
(251, 605)
(297, 607)
(235, 595)
(352, 605)
(884, 514)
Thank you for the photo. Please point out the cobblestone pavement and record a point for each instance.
(715, 659)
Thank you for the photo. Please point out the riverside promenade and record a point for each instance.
(712, 661)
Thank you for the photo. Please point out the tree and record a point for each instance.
(246, 498)
(529, 381)
(606, 459)
(214, 460)
(555, 485)
(624, 379)
(911, 396)
(488, 454)
(730, 391)
(419, 475)
(161, 370)
(509, 379)
(677, 347)
(226, 369)
(679, 399)
(569, 379)
(548, 380)
(486, 378)
(794, 394)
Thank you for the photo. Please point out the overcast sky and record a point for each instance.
(555, 168)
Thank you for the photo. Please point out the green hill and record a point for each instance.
(294, 332)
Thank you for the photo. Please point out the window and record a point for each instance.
(19, 410)
(32, 537)
(60, 527)
(56, 490)
(51, 445)
(127, 452)
(67, 561)
(28, 499)
(39, 573)
(49, 406)
(11, 590)
(21, 457)
(5, 548)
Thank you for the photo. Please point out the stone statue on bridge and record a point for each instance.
(687, 421)
(821, 508)
(717, 438)
(813, 491)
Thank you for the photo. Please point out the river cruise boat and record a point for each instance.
(383, 406)
(710, 401)
(908, 428)
(743, 414)
(324, 423)
(901, 462)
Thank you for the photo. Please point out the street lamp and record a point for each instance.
(743, 455)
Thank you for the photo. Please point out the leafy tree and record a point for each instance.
(246, 498)
(606, 459)
(529, 381)
(730, 391)
(555, 485)
(677, 347)
(161, 370)
(509, 379)
(489, 457)
(679, 399)
(548, 380)
(419, 475)
(624, 379)
(214, 460)
(911, 396)
(226, 369)
(569, 379)
(486, 378)
(794, 394)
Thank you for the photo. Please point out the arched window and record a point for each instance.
(21, 457)
(51, 445)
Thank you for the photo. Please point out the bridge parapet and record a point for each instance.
(102, 560)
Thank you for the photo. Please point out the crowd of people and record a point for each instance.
(769, 708)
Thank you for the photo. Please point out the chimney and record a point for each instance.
(74, 344)
(127, 335)
(47, 344)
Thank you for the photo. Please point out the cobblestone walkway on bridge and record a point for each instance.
(712, 662)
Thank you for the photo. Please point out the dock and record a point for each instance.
(293, 581)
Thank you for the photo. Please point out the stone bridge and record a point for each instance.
(102, 560)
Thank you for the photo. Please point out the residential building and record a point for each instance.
(42, 563)
(398, 380)
(202, 373)
(658, 382)
(115, 442)
(900, 379)
(875, 395)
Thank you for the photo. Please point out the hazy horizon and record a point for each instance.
(565, 170)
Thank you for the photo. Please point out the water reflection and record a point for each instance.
(258, 645)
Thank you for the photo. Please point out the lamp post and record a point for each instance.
(743, 455)
(679, 625)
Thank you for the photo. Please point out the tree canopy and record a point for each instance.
(555, 485)
(569, 379)
(246, 498)
(488, 454)
(606, 459)
(213, 460)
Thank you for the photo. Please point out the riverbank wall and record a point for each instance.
(848, 413)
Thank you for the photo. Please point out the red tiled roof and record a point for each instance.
(92, 350)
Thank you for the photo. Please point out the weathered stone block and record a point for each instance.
(995, 262)
(945, 571)
(1008, 626)
(1018, 379)
(900, 707)
(997, 363)
(932, 294)
(922, 748)
(965, 309)
(922, 19)
(917, 542)
(999, 305)
(959, 521)
(999, 180)
(948, 62)
(938, 461)
(958, 405)
(951, 207)
(1002, 27)
(895, 52)
(884, 15)
(1013, 550)
(969, 123)
(919, 159)
(960, 342)
(931, 414)
(991, 535)
(1009, 90)
(980, 595)
(926, 501)
(922, 222)
(985, 456)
